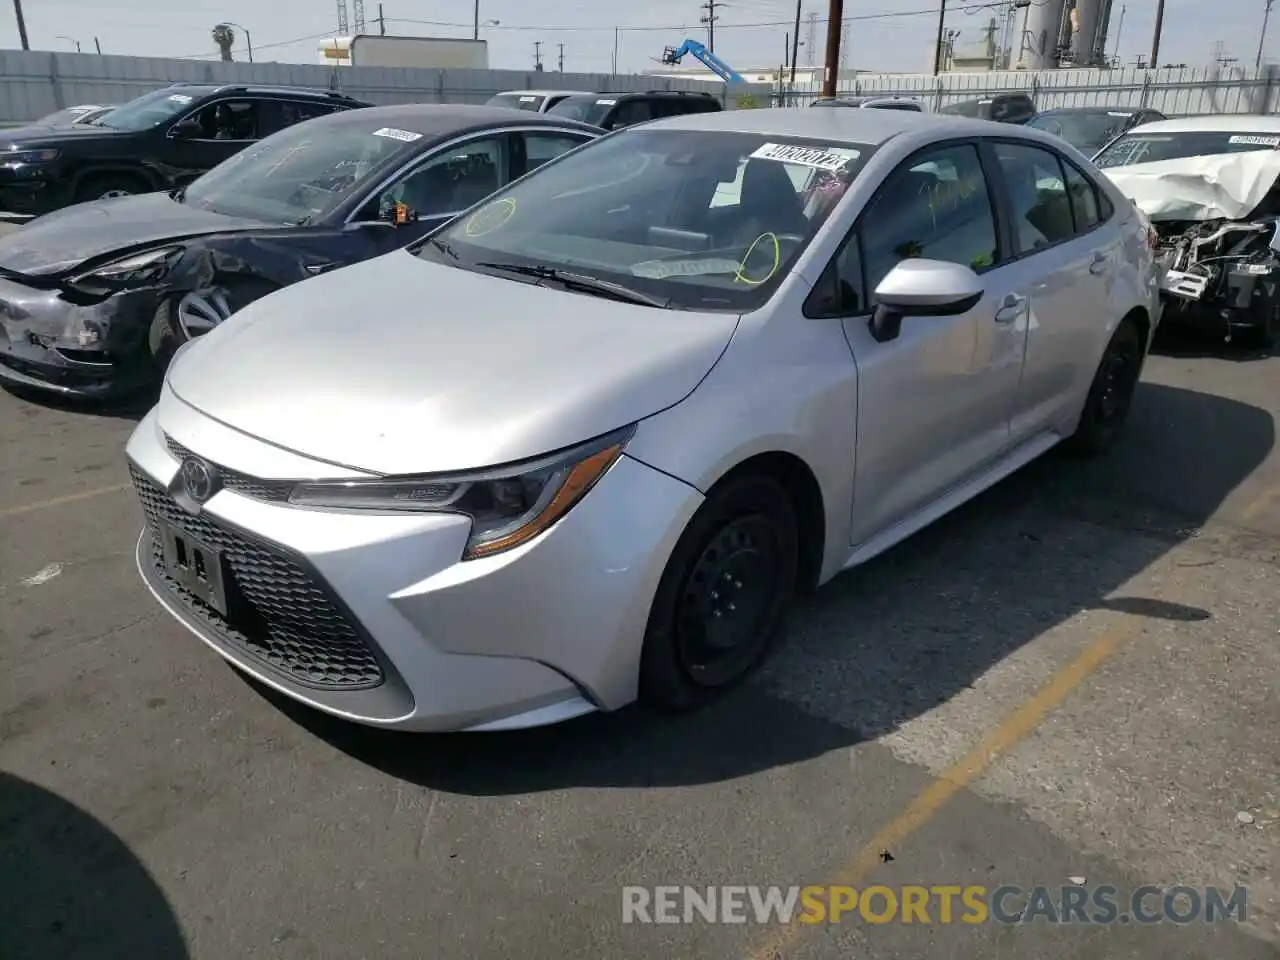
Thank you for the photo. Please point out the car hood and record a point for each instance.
(51, 134)
(401, 366)
(61, 241)
(1220, 186)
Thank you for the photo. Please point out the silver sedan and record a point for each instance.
(585, 444)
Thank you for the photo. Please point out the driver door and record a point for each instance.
(243, 120)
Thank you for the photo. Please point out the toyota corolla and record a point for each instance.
(589, 440)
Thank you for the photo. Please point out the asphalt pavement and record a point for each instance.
(1075, 676)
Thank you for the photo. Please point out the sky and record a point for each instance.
(890, 35)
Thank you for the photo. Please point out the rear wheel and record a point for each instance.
(189, 315)
(1111, 394)
(723, 598)
(107, 185)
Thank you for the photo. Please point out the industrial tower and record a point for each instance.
(344, 26)
(357, 14)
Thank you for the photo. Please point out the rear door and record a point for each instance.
(1073, 253)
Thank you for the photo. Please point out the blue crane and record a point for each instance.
(713, 63)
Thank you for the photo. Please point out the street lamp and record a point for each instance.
(72, 40)
(248, 40)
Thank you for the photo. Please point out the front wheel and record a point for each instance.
(1111, 394)
(183, 317)
(723, 598)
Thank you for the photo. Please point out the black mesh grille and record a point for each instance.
(273, 491)
(287, 620)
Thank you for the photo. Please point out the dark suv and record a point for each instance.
(614, 110)
(1001, 107)
(159, 141)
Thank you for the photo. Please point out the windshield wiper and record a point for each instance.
(582, 283)
(179, 195)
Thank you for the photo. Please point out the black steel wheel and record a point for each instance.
(723, 597)
(1111, 394)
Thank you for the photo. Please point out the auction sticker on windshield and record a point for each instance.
(180, 98)
(1255, 140)
(832, 158)
(404, 136)
(605, 103)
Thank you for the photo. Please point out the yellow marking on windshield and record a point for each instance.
(740, 275)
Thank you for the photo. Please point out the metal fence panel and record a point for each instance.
(1182, 91)
(35, 83)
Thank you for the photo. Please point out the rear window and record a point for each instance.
(1140, 147)
(589, 109)
(516, 101)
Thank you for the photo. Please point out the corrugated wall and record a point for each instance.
(35, 83)
(1178, 92)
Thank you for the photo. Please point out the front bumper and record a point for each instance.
(31, 190)
(374, 617)
(97, 351)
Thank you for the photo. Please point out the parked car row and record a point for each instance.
(527, 419)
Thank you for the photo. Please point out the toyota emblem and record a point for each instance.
(199, 479)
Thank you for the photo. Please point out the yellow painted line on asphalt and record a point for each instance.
(1264, 500)
(63, 501)
(1013, 730)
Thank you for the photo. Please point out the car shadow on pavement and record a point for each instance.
(72, 890)
(892, 639)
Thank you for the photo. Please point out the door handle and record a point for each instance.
(1011, 308)
(1098, 264)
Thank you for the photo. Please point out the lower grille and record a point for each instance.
(287, 622)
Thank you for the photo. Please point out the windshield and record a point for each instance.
(517, 101)
(1139, 147)
(300, 174)
(692, 219)
(1084, 130)
(148, 110)
(585, 109)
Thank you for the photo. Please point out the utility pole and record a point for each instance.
(475, 21)
(835, 13)
(795, 45)
(710, 18)
(616, 31)
(537, 55)
(382, 22)
(22, 24)
(97, 46)
(1266, 15)
(560, 60)
(937, 52)
(1116, 56)
(1155, 37)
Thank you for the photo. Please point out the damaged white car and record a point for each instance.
(1208, 186)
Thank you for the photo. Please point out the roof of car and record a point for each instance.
(1220, 123)
(207, 89)
(856, 126)
(539, 93)
(446, 119)
(1127, 111)
(627, 94)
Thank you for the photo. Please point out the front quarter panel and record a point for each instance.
(786, 384)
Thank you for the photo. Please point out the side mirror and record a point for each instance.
(922, 288)
(188, 129)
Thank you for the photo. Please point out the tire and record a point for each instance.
(744, 538)
(183, 316)
(103, 186)
(1111, 394)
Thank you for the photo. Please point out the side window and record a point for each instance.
(1084, 200)
(452, 180)
(296, 111)
(839, 291)
(232, 120)
(541, 147)
(1040, 206)
(631, 112)
(936, 205)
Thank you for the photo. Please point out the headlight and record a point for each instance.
(507, 507)
(11, 157)
(140, 268)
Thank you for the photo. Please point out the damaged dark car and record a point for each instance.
(1208, 185)
(94, 299)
